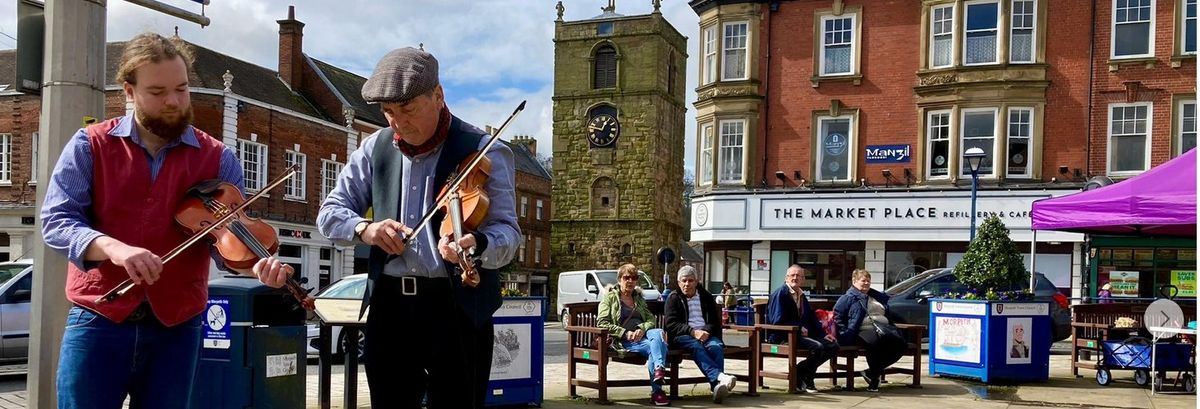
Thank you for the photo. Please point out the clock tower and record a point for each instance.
(618, 141)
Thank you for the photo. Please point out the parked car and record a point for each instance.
(348, 287)
(910, 298)
(15, 294)
(589, 285)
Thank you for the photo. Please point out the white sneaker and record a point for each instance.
(720, 391)
(729, 380)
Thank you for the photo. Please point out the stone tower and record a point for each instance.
(618, 140)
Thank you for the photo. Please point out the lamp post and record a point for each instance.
(974, 158)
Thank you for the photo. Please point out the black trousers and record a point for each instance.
(882, 354)
(480, 345)
(820, 350)
(415, 345)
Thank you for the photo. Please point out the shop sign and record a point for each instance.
(889, 153)
(1124, 283)
(898, 213)
(299, 234)
(1185, 281)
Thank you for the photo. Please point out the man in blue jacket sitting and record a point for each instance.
(789, 306)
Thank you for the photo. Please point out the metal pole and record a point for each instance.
(974, 187)
(1032, 260)
(73, 89)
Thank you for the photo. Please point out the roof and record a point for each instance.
(349, 85)
(526, 162)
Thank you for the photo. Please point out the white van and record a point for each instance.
(589, 285)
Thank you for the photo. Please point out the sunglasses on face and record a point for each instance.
(628, 278)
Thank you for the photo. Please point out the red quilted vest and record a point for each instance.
(128, 207)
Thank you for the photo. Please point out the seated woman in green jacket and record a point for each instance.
(624, 314)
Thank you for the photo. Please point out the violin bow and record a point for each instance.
(128, 284)
(462, 175)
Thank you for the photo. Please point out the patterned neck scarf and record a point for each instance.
(439, 135)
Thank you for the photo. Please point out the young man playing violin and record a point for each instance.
(110, 206)
(427, 331)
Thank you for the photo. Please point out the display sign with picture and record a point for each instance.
(1124, 283)
(1185, 281)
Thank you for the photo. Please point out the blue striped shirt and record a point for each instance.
(66, 225)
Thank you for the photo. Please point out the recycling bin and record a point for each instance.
(252, 354)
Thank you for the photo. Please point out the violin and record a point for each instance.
(214, 209)
(465, 203)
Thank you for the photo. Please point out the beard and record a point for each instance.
(164, 128)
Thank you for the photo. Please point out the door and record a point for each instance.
(14, 317)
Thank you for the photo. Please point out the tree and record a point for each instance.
(547, 162)
(992, 261)
(689, 187)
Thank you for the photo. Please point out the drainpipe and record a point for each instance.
(766, 108)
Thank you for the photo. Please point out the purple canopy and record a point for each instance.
(1159, 202)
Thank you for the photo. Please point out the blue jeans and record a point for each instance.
(654, 348)
(102, 361)
(709, 355)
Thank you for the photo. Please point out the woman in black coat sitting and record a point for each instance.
(858, 314)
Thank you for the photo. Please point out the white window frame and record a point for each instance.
(1112, 41)
(1008, 137)
(521, 250)
(853, 17)
(1179, 131)
(537, 250)
(259, 179)
(725, 49)
(851, 148)
(933, 35)
(539, 209)
(964, 170)
(329, 174)
(708, 71)
(295, 186)
(1033, 33)
(707, 142)
(721, 149)
(998, 30)
(1108, 165)
(6, 159)
(1183, 27)
(524, 206)
(929, 141)
(34, 150)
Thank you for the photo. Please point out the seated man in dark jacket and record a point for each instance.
(789, 306)
(694, 324)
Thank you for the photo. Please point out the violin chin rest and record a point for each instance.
(205, 187)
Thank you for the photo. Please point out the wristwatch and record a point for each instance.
(360, 228)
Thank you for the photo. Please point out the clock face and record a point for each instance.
(603, 130)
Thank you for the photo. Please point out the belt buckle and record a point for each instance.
(137, 314)
(408, 285)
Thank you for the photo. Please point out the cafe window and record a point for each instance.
(732, 266)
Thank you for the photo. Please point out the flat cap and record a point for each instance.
(401, 75)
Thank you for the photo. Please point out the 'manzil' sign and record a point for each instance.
(889, 153)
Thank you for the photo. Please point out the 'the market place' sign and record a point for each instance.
(893, 212)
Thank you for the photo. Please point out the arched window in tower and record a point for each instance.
(604, 72)
(604, 197)
(627, 250)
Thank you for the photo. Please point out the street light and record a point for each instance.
(974, 158)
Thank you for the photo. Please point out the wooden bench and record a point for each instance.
(841, 365)
(1092, 324)
(591, 345)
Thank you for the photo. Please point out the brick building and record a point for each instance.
(831, 133)
(530, 271)
(309, 112)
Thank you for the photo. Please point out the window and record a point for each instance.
(1128, 137)
(735, 56)
(732, 143)
(706, 155)
(524, 206)
(254, 163)
(33, 158)
(605, 69)
(1020, 136)
(6, 158)
(979, 131)
(837, 45)
(1133, 25)
(521, 250)
(294, 189)
(1187, 127)
(981, 45)
(942, 29)
(833, 149)
(537, 250)
(329, 174)
(1021, 40)
(1189, 28)
(710, 56)
(539, 209)
(939, 144)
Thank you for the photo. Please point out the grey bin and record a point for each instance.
(252, 354)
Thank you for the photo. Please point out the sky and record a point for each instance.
(492, 53)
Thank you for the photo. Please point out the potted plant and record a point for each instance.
(990, 332)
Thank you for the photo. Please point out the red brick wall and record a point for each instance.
(1064, 129)
(535, 188)
(1159, 83)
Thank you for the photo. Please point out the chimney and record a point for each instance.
(528, 142)
(291, 50)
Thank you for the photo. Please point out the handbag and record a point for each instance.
(882, 330)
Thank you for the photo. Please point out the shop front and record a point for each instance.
(751, 239)
(1143, 267)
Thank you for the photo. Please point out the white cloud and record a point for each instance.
(493, 53)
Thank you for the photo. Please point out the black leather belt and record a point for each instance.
(142, 313)
(409, 285)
